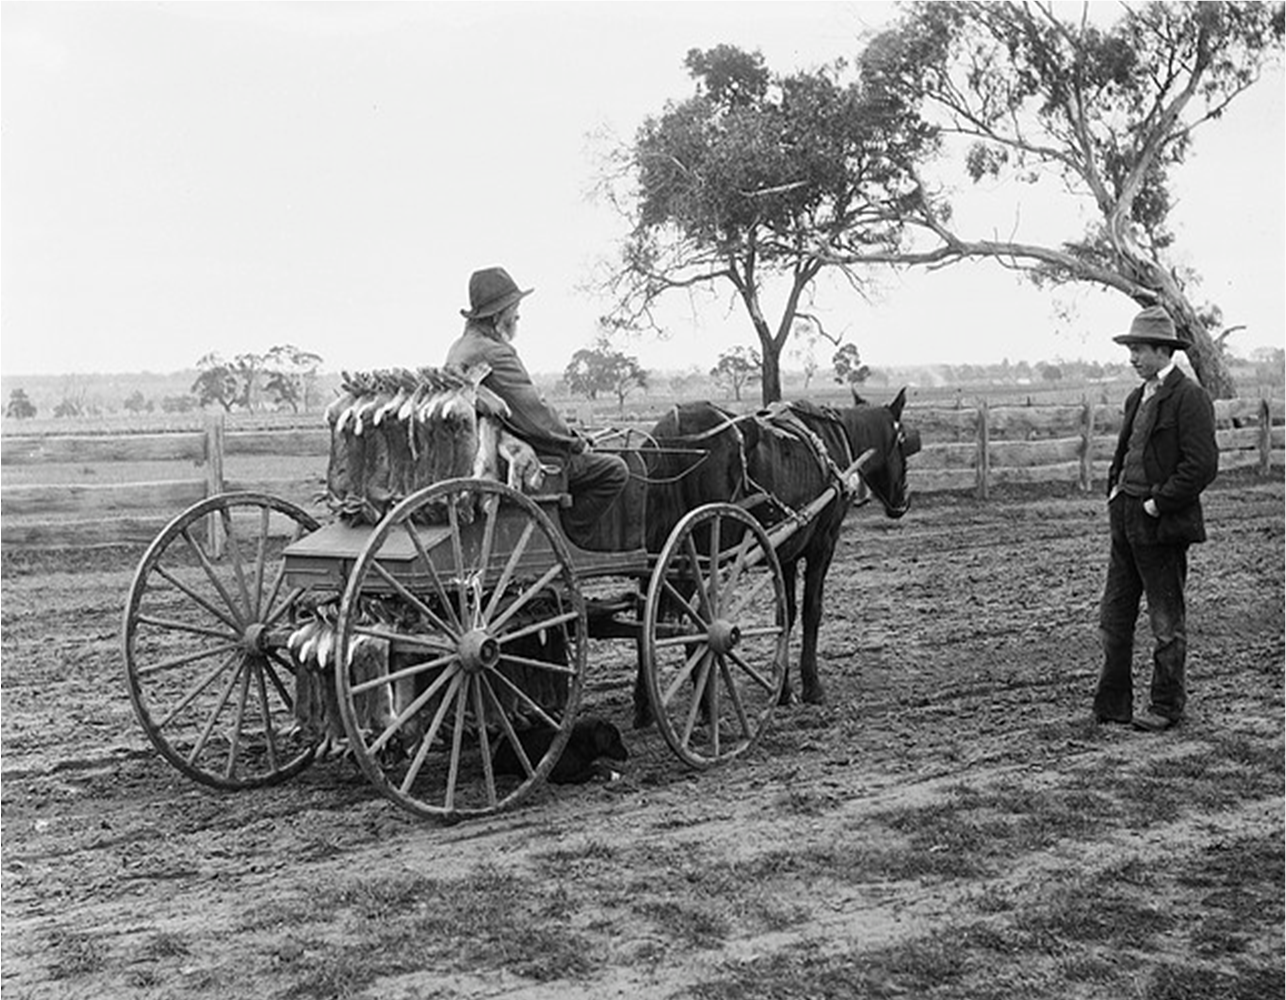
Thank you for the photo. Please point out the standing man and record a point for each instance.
(1165, 457)
(594, 480)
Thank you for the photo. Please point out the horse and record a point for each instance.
(784, 458)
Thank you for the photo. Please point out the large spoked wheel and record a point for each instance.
(462, 642)
(715, 639)
(204, 642)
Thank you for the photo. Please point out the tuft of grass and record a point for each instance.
(75, 953)
(697, 925)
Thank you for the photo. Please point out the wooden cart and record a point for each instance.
(439, 636)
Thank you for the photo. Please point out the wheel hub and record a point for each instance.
(478, 651)
(253, 640)
(723, 635)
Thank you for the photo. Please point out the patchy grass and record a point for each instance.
(75, 953)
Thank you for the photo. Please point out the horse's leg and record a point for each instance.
(815, 570)
(788, 572)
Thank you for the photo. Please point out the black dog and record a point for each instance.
(590, 739)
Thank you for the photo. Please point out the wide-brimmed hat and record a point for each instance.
(1152, 326)
(491, 290)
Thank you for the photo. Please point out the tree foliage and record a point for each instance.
(759, 177)
(602, 368)
(1020, 93)
(736, 369)
(285, 375)
(20, 406)
(849, 370)
(136, 402)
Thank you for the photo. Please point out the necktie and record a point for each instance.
(1150, 387)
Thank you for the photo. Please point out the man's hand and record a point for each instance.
(1150, 508)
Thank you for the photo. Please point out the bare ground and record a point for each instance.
(951, 824)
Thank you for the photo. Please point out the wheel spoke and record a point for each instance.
(196, 689)
(735, 696)
(457, 553)
(546, 665)
(416, 603)
(415, 640)
(715, 525)
(739, 563)
(457, 740)
(270, 671)
(532, 629)
(524, 698)
(261, 558)
(490, 507)
(426, 742)
(690, 664)
(420, 700)
(269, 733)
(420, 667)
(265, 607)
(758, 587)
(505, 724)
(183, 661)
(423, 555)
(519, 550)
(526, 597)
(234, 553)
(751, 672)
(235, 742)
(694, 559)
(224, 695)
(213, 575)
(196, 598)
(694, 710)
(686, 604)
(174, 626)
(484, 741)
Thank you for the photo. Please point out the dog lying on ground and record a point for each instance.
(590, 740)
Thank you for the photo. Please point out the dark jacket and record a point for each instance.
(1180, 457)
(530, 417)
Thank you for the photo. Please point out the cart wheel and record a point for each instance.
(453, 639)
(204, 642)
(715, 640)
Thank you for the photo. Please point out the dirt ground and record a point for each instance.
(950, 824)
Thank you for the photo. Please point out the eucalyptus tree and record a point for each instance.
(756, 183)
(603, 368)
(1021, 93)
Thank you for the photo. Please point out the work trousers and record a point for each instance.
(1139, 565)
(593, 480)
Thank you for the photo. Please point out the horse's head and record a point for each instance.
(881, 428)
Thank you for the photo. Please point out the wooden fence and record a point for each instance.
(977, 449)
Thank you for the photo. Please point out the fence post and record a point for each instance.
(1087, 446)
(1265, 438)
(214, 428)
(983, 464)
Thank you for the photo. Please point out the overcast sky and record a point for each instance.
(181, 178)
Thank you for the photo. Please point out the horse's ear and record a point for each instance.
(857, 399)
(899, 401)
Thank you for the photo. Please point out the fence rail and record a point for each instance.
(977, 449)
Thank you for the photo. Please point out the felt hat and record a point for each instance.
(491, 290)
(1152, 326)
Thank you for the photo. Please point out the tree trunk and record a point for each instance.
(1208, 362)
(771, 373)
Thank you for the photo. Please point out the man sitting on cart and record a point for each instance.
(491, 322)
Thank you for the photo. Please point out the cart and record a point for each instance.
(429, 645)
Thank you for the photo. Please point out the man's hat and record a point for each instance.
(1152, 326)
(491, 290)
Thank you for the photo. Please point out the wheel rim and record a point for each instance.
(715, 641)
(484, 620)
(203, 634)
